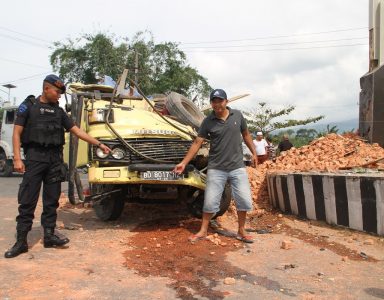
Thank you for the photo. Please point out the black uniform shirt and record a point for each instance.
(226, 151)
(40, 153)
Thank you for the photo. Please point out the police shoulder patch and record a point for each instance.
(22, 108)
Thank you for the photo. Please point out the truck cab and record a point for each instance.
(145, 145)
(6, 149)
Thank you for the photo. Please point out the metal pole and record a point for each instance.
(136, 66)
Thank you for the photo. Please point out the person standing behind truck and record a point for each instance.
(285, 144)
(271, 149)
(261, 146)
(225, 162)
(39, 128)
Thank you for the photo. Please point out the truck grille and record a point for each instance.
(172, 150)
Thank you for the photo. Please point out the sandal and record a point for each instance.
(245, 238)
(195, 238)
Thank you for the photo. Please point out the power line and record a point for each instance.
(275, 36)
(23, 79)
(23, 34)
(277, 49)
(277, 44)
(21, 63)
(24, 41)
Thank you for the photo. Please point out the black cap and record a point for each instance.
(56, 81)
(218, 93)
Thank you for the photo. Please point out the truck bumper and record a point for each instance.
(124, 175)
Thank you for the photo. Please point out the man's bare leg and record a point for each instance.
(204, 225)
(241, 215)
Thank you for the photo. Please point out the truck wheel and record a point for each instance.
(183, 109)
(196, 207)
(110, 207)
(6, 168)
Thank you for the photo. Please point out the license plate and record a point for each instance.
(161, 175)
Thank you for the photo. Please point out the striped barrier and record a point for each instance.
(352, 200)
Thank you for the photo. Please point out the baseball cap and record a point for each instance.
(259, 133)
(56, 81)
(218, 93)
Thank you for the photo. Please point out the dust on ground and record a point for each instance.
(161, 248)
(145, 254)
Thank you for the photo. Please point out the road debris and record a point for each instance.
(331, 153)
(229, 281)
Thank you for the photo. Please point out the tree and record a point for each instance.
(329, 130)
(162, 67)
(306, 133)
(262, 118)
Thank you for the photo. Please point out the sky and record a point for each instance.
(307, 53)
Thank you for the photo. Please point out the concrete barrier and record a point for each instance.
(348, 199)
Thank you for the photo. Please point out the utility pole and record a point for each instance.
(136, 66)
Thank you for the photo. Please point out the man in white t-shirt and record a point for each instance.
(261, 146)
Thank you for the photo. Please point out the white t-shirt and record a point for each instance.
(260, 146)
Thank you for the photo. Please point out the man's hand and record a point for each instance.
(254, 161)
(18, 166)
(105, 148)
(179, 168)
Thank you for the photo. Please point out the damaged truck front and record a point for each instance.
(145, 145)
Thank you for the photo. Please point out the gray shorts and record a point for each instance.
(241, 192)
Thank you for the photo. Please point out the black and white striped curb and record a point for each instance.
(351, 200)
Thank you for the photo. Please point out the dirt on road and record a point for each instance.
(146, 255)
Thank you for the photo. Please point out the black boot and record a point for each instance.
(52, 240)
(21, 245)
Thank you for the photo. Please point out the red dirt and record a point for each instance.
(161, 248)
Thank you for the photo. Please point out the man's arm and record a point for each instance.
(86, 137)
(18, 164)
(190, 154)
(251, 146)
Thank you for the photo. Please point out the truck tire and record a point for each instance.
(110, 207)
(184, 110)
(6, 168)
(196, 207)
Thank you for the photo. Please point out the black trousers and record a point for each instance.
(36, 173)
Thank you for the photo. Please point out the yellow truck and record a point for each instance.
(146, 146)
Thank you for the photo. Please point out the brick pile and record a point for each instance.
(327, 154)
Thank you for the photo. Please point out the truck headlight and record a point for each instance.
(118, 153)
(100, 153)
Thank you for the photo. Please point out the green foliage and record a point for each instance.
(162, 67)
(329, 130)
(262, 118)
(304, 136)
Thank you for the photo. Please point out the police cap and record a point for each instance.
(55, 81)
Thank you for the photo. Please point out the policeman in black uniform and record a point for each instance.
(39, 129)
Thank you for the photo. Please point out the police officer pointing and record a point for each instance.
(39, 129)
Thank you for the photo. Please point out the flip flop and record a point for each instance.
(195, 238)
(245, 238)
